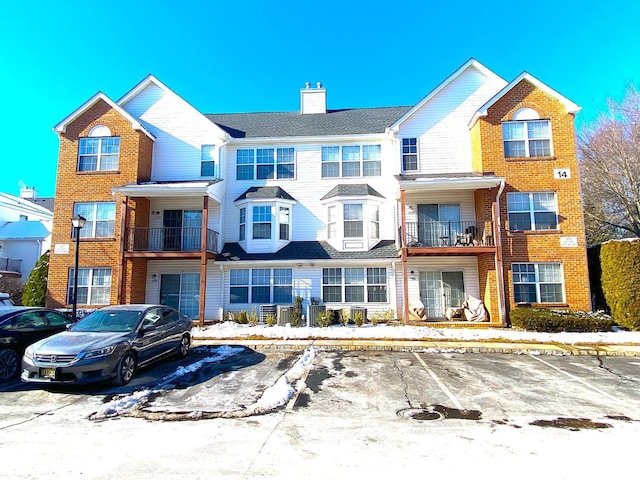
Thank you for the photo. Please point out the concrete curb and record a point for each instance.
(462, 346)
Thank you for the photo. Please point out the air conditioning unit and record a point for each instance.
(313, 311)
(266, 310)
(284, 314)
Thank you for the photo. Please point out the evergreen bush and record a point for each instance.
(620, 263)
(545, 320)
(35, 290)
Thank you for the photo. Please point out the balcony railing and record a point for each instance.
(169, 239)
(10, 265)
(449, 234)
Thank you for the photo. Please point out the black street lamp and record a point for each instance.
(78, 222)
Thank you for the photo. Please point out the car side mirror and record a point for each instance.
(146, 329)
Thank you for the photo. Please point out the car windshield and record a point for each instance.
(109, 321)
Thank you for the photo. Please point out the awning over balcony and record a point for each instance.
(447, 181)
(171, 189)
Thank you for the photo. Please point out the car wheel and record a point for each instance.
(8, 364)
(183, 348)
(125, 370)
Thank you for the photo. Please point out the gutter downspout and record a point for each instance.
(403, 250)
(498, 256)
(121, 261)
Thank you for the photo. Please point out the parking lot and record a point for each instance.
(346, 412)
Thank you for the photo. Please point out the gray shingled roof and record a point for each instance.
(352, 189)
(308, 250)
(265, 192)
(353, 121)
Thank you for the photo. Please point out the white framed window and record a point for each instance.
(374, 228)
(284, 221)
(409, 154)
(532, 211)
(96, 154)
(94, 286)
(207, 161)
(538, 282)
(101, 219)
(527, 138)
(265, 163)
(261, 285)
(262, 218)
(353, 220)
(242, 234)
(351, 161)
(354, 285)
(331, 221)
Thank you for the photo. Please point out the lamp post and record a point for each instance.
(78, 222)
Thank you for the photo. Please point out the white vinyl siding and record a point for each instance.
(442, 125)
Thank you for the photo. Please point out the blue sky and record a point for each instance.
(255, 55)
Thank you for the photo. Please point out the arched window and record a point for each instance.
(99, 151)
(526, 135)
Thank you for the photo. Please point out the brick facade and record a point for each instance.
(73, 186)
(536, 174)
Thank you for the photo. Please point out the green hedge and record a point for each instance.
(545, 320)
(620, 263)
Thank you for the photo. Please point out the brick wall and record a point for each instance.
(534, 175)
(73, 186)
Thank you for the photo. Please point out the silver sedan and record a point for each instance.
(109, 344)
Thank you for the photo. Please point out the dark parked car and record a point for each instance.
(108, 344)
(22, 326)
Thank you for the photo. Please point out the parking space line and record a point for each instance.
(442, 386)
(579, 380)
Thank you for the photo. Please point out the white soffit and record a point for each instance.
(163, 189)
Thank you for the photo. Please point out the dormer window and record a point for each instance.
(353, 217)
(527, 135)
(99, 151)
(264, 215)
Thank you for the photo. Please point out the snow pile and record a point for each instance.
(231, 330)
(275, 396)
(123, 404)
(287, 385)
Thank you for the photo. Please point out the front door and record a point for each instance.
(170, 290)
(172, 223)
(440, 290)
(182, 292)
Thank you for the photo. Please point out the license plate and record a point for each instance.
(48, 372)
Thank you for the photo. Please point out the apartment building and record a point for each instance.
(471, 192)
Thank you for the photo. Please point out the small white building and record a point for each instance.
(25, 232)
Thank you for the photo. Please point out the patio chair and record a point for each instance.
(475, 310)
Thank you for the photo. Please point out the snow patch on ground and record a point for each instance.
(230, 330)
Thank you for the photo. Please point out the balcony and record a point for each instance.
(12, 265)
(446, 238)
(174, 242)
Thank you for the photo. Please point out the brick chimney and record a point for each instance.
(313, 100)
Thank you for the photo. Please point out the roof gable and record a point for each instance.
(151, 80)
(135, 124)
(482, 112)
(471, 63)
